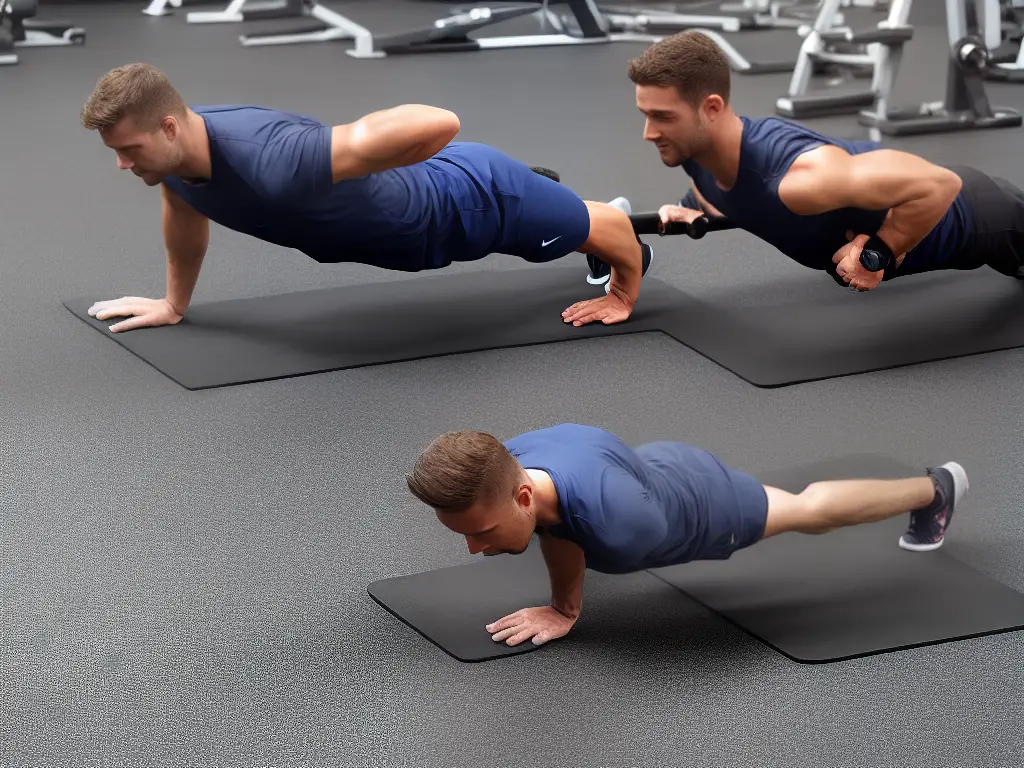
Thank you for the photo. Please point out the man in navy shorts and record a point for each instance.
(597, 503)
(389, 190)
(821, 201)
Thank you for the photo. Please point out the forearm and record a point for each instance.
(186, 239)
(400, 136)
(567, 569)
(909, 222)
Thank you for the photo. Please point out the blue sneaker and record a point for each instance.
(928, 525)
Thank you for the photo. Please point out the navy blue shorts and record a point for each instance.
(530, 216)
(725, 509)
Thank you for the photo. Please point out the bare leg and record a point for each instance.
(825, 506)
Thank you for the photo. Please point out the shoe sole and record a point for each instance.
(960, 487)
(621, 204)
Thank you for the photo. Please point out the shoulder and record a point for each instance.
(278, 154)
(244, 124)
(777, 137)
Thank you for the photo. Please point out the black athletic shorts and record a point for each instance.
(997, 210)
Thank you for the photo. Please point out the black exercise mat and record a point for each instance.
(451, 607)
(831, 331)
(852, 592)
(257, 339)
(849, 593)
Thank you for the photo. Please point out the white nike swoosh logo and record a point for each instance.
(546, 243)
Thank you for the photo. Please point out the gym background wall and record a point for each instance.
(184, 573)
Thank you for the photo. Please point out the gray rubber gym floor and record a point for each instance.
(183, 574)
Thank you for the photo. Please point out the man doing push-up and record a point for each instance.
(599, 504)
(390, 190)
(821, 201)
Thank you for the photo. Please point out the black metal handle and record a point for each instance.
(650, 224)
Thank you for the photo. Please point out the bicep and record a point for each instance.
(557, 550)
(177, 212)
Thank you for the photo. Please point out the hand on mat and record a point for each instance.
(609, 309)
(141, 312)
(542, 624)
(849, 268)
(669, 213)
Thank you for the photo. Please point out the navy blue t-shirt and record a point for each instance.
(769, 147)
(271, 178)
(629, 509)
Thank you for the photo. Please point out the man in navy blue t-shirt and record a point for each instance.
(819, 200)
(599, 504)
(391, 190)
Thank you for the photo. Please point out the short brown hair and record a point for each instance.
(139, 91)
(690, 62)
(459, 469)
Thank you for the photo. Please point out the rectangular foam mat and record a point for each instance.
(830, 332)
(849, 593)
(256, 339)
(852, 592)
(451, 607)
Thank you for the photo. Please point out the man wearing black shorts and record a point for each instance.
(821, 201)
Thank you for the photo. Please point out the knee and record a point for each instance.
(815, 513)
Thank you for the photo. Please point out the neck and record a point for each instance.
(545, 498)
(722, 157)
(195, 145)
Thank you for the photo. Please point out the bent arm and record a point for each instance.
(917, 193)
(390, 138)
(567, 567)
(186, 237)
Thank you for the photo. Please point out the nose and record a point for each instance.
(475, 547)
(650, 134)
(123, 164)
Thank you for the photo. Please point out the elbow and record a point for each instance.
(450, 125)
(446, 128)
(949, 185)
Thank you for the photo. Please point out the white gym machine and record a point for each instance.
(884, 48)
(235, 11)
(966, 106)
(749, 15)
(1009, 68)
(333, 27)
(736, 17)
(583, 24)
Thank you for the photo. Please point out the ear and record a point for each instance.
(524, 495)
(170, 128)
(713, 105)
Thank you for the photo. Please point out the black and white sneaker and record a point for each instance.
(928, 525)
(547, 173)
(600, 273)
